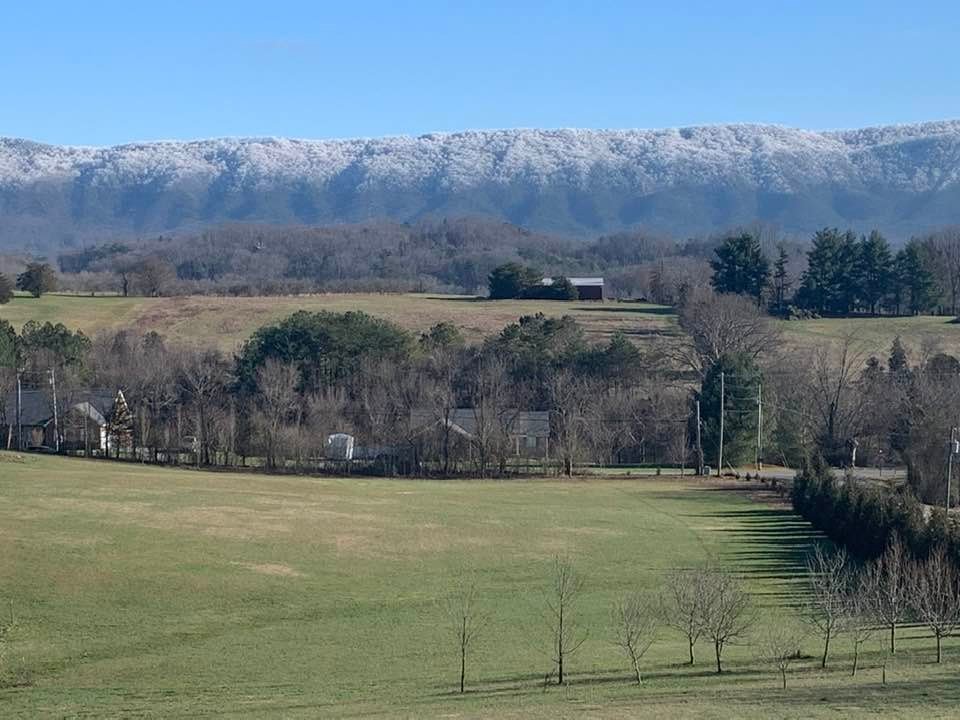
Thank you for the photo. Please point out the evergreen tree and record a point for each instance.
(874, 271)
(830, 282)
(781, 280)
(897, 362)
(818, 289)
(37, 279)
(740, 267)
(916, 281)
(8, 345)
(511, 280)
(846, 275)
(741, 378)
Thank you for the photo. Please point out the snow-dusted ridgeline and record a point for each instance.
(900, 178)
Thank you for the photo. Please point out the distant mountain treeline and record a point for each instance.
(900, 180)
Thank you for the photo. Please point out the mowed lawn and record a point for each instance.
(151, 592)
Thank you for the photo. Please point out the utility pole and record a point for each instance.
(759, 427)
(19, 415)
(720, 450)
(699, 444)
(56, 422)
(953, 450)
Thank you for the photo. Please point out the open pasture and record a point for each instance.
(143, 591)
(228, 321)
(225, 322)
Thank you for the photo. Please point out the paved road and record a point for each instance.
(862, 473)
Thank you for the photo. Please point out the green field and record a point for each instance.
(227, 321)
(167, 593)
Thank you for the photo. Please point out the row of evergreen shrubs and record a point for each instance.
(864, 518)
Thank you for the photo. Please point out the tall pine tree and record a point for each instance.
(781, 280)
(818, 289)
(917, 287)
(830, 282)
(874, 271)
(741, 379)
(740, 267)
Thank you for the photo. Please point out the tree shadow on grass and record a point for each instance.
(524, 684)
(629, 310)
(857, 696)
(459, 298)
(768, 544)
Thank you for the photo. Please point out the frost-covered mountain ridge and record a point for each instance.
(899, 178)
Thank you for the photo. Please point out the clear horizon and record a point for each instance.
(118, 74)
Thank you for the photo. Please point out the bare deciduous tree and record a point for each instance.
(719, 325)
(488, 388)
(780, 646)
(465, 620)
(154, 275)
(683, 605)
(202, 376)
(279, 402)
(936, 596)
(728, 612)
(827, 577)
(860, 620)
(443, 365)
(946, 245)
(886, 581)
(573, 403)
(835, 399)
(564, 593)
(635, 628)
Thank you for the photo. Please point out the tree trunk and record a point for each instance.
(856, 659)
(893, 638)
(463, 668)
(716, 647)
(560, 646)
(636, 669)
(690, 642)
(939, 649)
(783, 677)
(826, 649)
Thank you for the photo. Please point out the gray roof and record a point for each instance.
(578, 281)
(529, 423)
(36, 406)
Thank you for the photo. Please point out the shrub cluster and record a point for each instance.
(865, 518)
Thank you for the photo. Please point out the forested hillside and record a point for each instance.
(900, 180)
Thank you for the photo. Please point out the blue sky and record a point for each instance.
(103, 72)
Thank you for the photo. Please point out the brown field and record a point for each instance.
(228, 321)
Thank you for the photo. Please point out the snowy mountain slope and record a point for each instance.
(900, 179)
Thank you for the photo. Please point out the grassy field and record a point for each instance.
(166, 593)
(226, 322)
